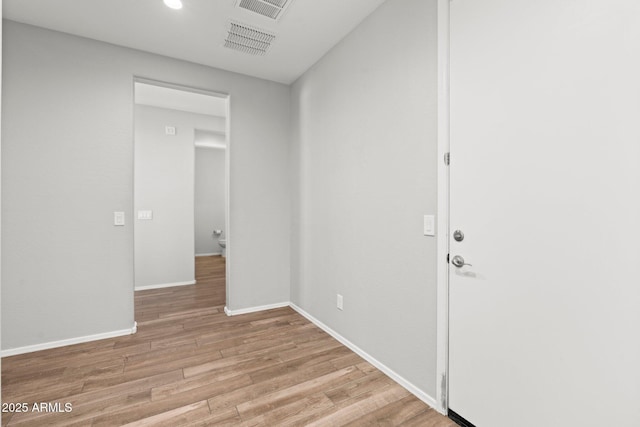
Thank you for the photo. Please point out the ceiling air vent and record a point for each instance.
(247, 39)
(270, 8)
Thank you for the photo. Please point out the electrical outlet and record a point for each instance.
(340, 302)
(170, 130)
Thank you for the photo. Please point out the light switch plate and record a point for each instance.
(429, 225)
(118, 218)
(145, 215)
(170, 130)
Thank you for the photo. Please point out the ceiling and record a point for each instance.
(196, 33)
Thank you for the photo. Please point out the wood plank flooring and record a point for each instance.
(191, 365)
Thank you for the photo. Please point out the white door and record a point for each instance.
(545, 186)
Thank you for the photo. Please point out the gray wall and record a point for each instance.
(364, 174)
(67, 165)
(164, 184)
(209, 198)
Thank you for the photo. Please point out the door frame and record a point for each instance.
(442, 231)
(227, 178)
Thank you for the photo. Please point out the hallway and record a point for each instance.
(208, 292)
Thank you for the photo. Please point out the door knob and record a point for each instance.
(458, 261)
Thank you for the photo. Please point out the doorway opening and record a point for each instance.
(181, 199)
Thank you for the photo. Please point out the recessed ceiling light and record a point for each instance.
(173, 4)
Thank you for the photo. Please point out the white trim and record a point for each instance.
(164, 285)
(212, 145)
(442, 232)
(168, 85)
(229, 312)
(227, 200)
(210, 254)
(366, 356)
(70, 341)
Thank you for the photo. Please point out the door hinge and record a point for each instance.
(447, 158)
(447, 258)
(443, 391)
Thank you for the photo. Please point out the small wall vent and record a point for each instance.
(247, 39)
(270, 8)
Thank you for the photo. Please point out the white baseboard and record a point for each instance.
(164, 285)
(70, 341)
(366, 356)
(254, 309)
(210, 254)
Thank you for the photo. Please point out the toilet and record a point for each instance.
(223, 245)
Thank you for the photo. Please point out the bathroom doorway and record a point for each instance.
(210, 211)
(209, 193)
(181, 168)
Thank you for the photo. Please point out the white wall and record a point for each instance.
(67, 165)
(0, 176)
(164, 184)
(209, 199)
(364, 174)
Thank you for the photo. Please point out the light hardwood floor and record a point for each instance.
(191, 365)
